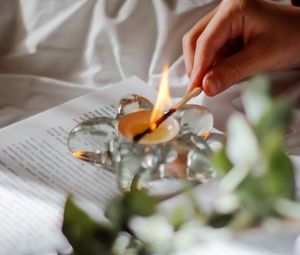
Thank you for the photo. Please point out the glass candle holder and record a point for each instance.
(163, 162)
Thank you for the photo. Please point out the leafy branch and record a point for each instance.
(256, 183)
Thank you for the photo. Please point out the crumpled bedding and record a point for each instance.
(89, 43)
(53, 51)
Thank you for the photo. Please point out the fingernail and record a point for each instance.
(211, 84)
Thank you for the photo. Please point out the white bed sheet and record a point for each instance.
(90, 43)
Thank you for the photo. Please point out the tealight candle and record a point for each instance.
(136, 122)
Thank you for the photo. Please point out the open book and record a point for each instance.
(37, 171)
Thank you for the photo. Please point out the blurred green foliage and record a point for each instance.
(255, 189)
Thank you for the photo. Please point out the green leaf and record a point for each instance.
(220, 220)
(86, 236)
(178, 217)
(116, 213)
(279, 177)
(288, 209)
(256, 98)
(221, 163)
(243, 219)
(242, 146)
(274, 179)
(254, 199)
(136, 202)
(139, 202)
(278, 117)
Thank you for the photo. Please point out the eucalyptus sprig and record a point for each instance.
(256, 169)
(256, 182)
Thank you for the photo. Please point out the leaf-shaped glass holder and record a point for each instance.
(162, 168)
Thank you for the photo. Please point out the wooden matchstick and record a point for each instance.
(195, 92)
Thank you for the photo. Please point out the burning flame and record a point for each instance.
(205, 134)
(163, 99)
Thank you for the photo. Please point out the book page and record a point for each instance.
(37, 171)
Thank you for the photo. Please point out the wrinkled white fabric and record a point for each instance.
(90, 43)
(94, 43)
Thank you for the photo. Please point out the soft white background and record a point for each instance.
(88, 43)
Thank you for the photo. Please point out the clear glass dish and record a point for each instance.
(162, 168)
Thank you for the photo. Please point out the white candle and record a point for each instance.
(136, 122)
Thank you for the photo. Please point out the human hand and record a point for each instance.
(240, 38)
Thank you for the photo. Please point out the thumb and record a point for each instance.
(219, 78)
(229, 71)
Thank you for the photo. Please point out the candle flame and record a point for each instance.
(205, 134)
(163, 99)
(79, 154)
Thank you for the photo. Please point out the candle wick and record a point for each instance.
(154, 125)
(195, 92)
